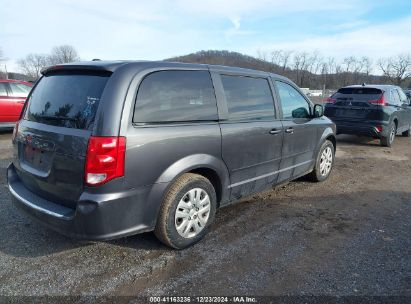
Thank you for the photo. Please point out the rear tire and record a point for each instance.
(187, 211)
(324, 162)
(387, 141)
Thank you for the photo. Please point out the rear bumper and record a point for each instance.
(97, 216)
(363, 128)
(7, 125)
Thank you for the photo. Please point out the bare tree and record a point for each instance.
(396, 69)
(300, 65)
(32, 64)
(286, 58)
(262, 55)
(281, 58)
(276, 57)
(350, 64)
(367, 63)
(63, 54)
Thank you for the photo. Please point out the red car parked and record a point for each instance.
(13, 94)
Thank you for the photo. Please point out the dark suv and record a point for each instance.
(378, 111)
(109, 149)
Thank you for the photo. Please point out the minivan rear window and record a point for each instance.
(67, 99)
(365, 94)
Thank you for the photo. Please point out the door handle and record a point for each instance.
(289, 130)
(274, 131)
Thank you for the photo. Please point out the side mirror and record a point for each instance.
(300, 113)
(318, 111)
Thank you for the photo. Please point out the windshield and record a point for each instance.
(66, 99)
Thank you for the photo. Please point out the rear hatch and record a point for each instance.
(355, 103)
(51, 139)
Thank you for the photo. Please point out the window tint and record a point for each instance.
(248, 98)
(359, 91)
(176, 96)
(66, 99)
(360, 94)
(19, 89)
(292, 102)
(3, 89)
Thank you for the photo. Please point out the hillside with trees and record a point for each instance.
(311, 70)
(306, 69)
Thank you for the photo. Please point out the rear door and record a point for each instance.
(300, 131)
(18, 93)
(52, 137)
(6, 104)
(251, 131)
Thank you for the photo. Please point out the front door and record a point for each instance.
(300, 132)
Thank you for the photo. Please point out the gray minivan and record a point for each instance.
(109, 149)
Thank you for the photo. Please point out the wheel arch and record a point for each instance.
(333, 139)
(205, 165)
(395, 120)
(328, 134)
(214, 179)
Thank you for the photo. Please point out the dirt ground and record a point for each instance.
(347, 236)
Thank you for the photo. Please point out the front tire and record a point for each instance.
(387, 141)
(187, 211)
(324, 162)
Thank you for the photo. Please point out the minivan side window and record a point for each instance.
(248, 98)
(293, 103)
(176, 96)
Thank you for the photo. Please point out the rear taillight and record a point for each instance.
(105, 159)
(380, 101)
(330, 100)
(378, 129)
(15, 131)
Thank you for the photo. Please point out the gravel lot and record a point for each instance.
(347, 236)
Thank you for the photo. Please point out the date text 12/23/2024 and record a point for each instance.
(203, 299)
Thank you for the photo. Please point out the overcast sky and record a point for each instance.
(158, 29)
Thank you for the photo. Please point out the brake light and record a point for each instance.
(105, 159)
(380, 101)
(330, 100)
(379, 129)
